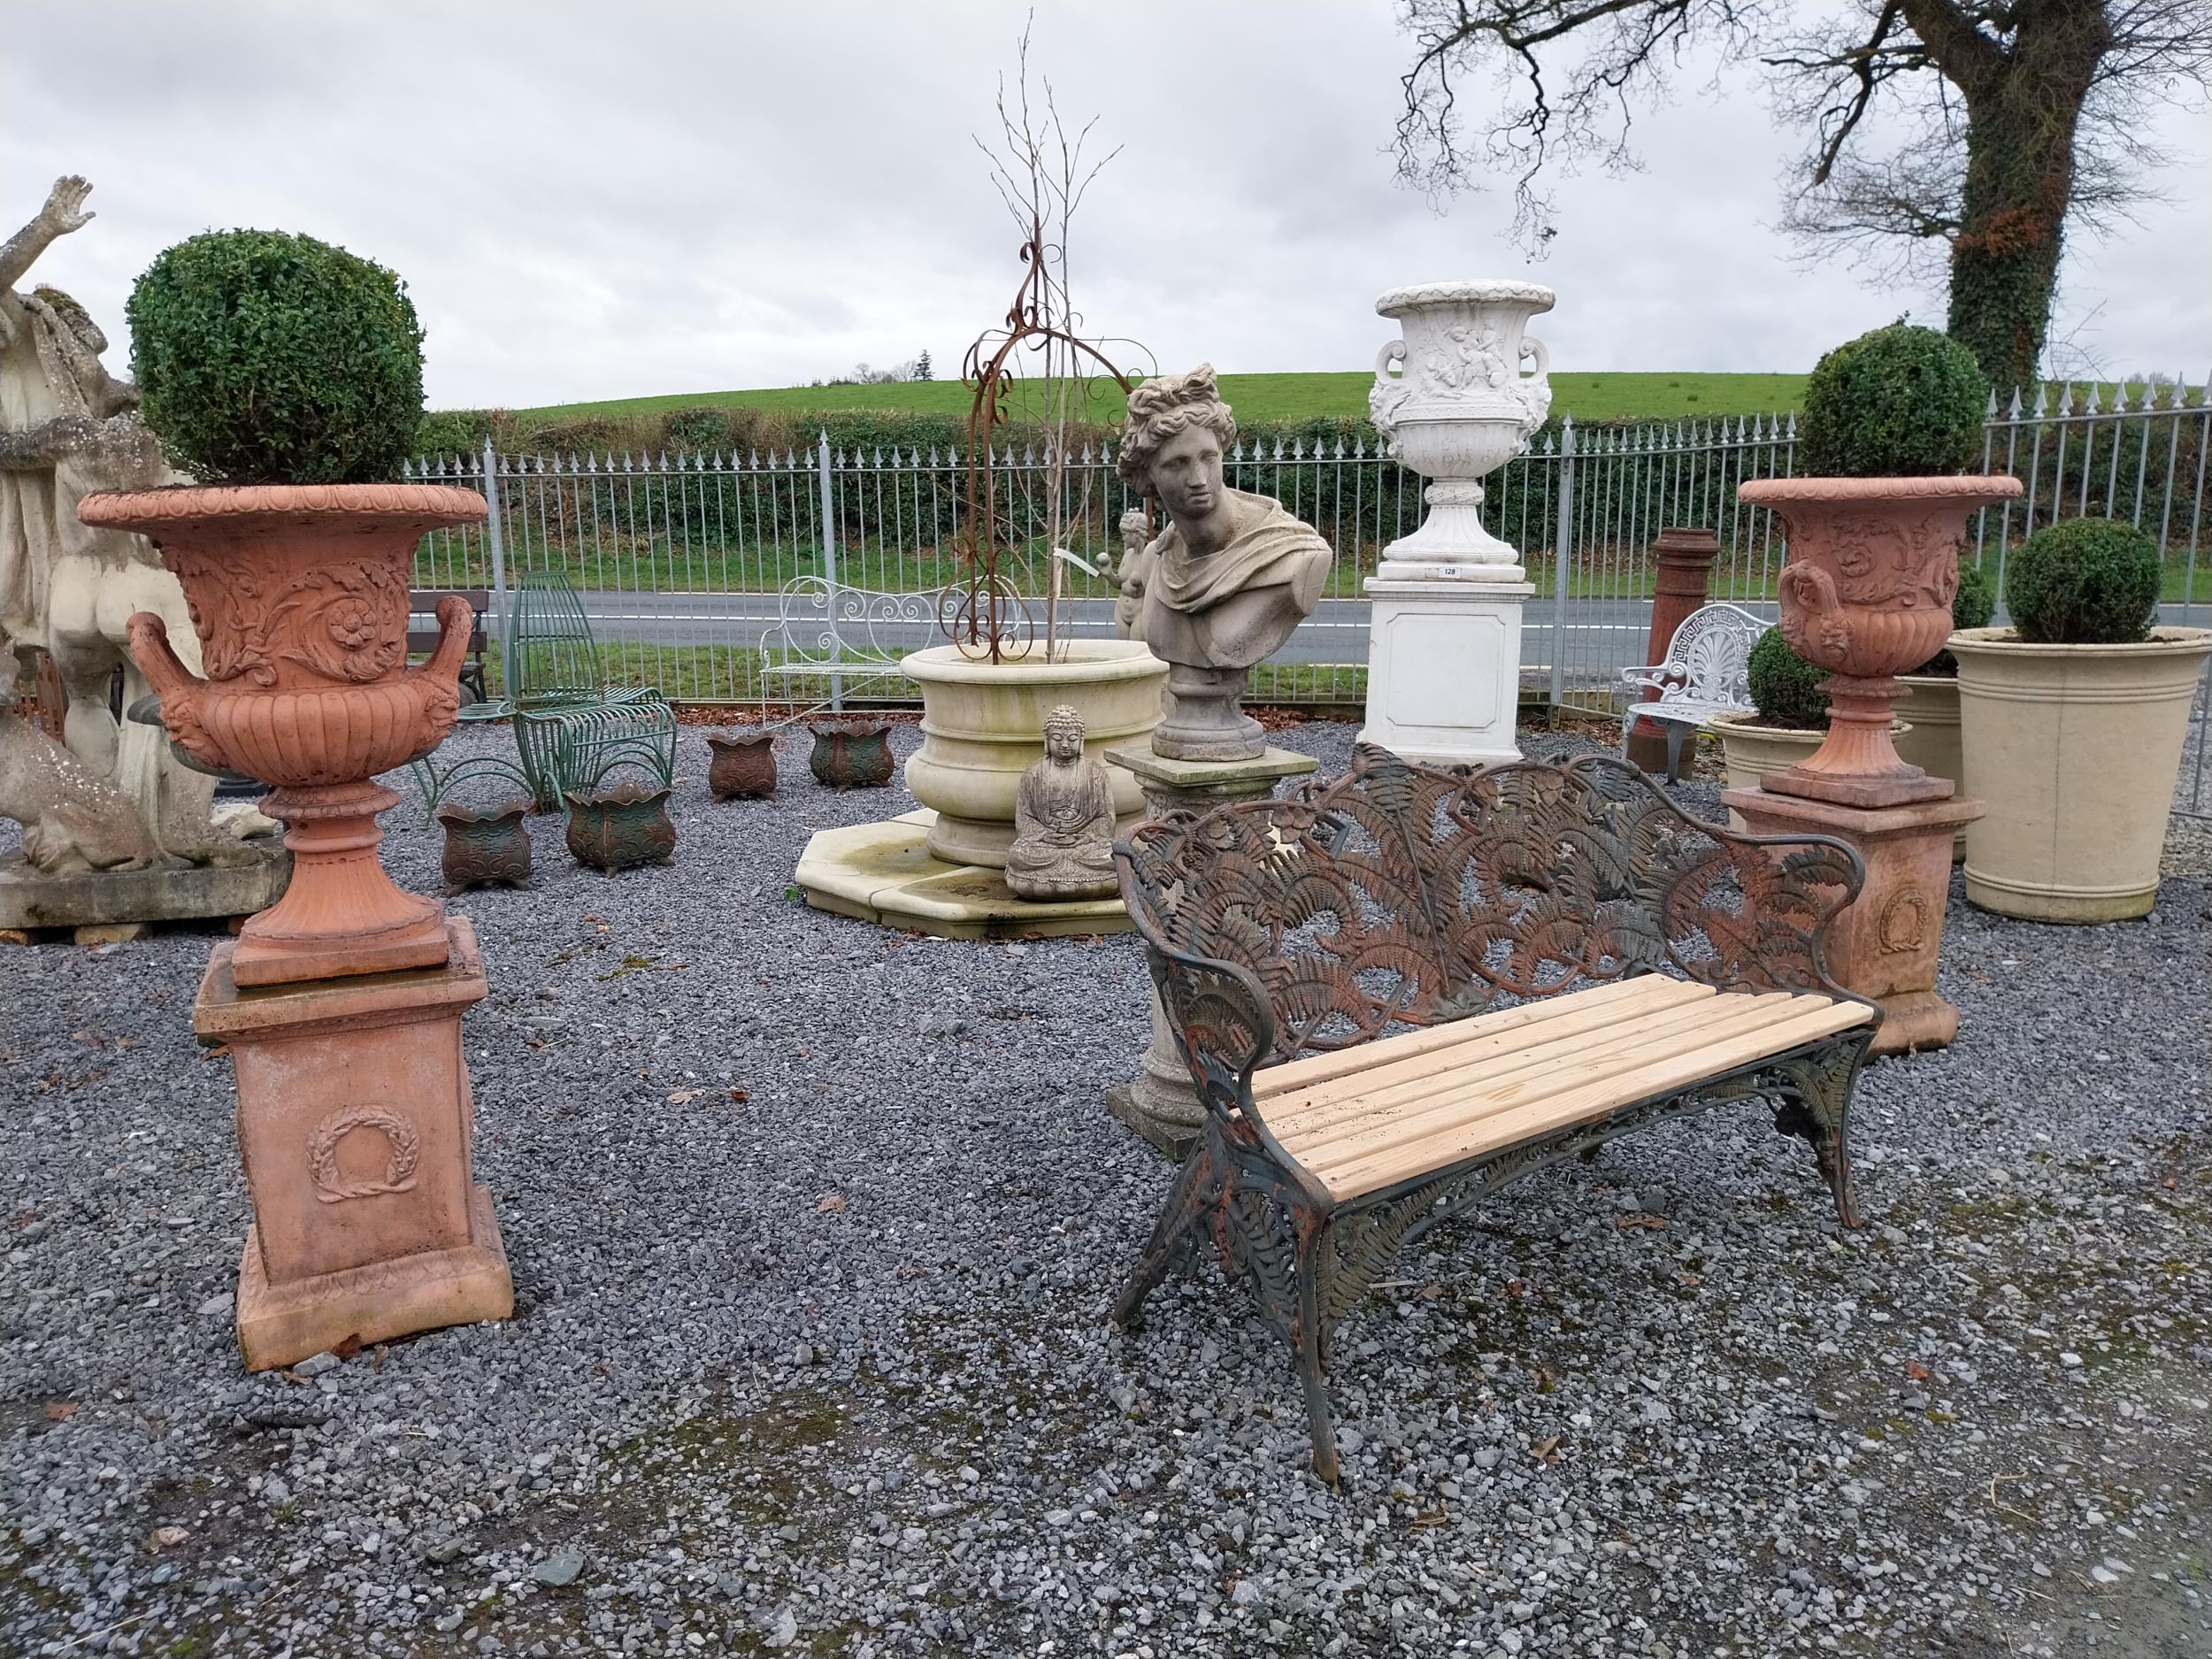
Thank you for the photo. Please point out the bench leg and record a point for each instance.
(1815, 1092)
(1675, 732)
(1307, 1341)
(1182, 1218)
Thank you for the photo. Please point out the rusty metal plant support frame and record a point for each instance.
(983, 614)
(1404, 895)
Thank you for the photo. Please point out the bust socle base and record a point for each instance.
(1159, 1104)
(355, 1121)
(1444, 664)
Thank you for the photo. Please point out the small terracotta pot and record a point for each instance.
(852, 754)
(484, 844)
(616, 828)
(743, 765)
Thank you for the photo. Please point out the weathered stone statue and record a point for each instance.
(73, 820)
(1064, 820)
(1136, 570)
(67, 428)
(1229, 579)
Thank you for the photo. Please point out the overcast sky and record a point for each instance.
(617, 200)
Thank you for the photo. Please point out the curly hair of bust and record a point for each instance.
(1064, 718)
(1164, 406)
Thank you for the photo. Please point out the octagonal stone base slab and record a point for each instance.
(885, 873)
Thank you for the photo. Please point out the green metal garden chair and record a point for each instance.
(565, 711)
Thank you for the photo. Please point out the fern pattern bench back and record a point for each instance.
(1400, 895)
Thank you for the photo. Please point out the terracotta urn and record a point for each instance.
(1866, 595)
(743, 765)
(299, 596)
(852, 754)
(620, 827)
(484, 843)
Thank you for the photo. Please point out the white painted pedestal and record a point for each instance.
(1444, 664)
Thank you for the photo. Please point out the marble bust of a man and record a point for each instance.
(1064, 820)
(1226, 581)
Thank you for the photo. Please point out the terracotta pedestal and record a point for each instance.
(1884, 944)
(1159, 1102)
(1685, 561)
(354, 1120)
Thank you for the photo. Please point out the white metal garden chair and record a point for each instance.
(1707, 671)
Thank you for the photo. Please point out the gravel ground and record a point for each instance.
(814, 1229)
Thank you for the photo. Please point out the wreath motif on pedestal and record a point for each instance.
(402, 1147)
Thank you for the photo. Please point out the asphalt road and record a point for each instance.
(1603, 634)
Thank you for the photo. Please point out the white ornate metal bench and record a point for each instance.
(1707, 672)
(1400, 989)
(843, 636)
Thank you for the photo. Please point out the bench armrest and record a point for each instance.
(1219, 1013)
(1659, 676)
(1762, 905)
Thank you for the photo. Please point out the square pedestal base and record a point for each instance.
(1885, 943)
(281, 1325)
(1444, 670)
(355, 1123)
(1159, 1104)
(1200, 786)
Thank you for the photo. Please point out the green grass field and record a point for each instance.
(1663, 396)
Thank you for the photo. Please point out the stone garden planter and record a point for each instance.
(299, 596)
(852, 754)
(485, 844)
(620, 827)
(1931, 741)
(742, 764)
(983, 727)
(2075, 749)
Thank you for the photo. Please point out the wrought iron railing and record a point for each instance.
(680, 556)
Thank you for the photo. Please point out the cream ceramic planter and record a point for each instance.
(983, 727)
(1931, 741)
(1748, 752)
(2074, 749)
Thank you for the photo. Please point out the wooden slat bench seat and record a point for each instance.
(1329, 961)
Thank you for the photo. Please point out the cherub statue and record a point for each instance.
(1064, 820)
(67, 428)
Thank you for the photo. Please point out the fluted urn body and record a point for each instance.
(1451, 400)
(1866, 594)
(299, 596)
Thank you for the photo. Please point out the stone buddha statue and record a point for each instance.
(1227, 580)
(1064, 820)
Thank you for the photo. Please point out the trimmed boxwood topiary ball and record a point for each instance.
(2085, 581)
(1784, 688)
(1971, 607)
(1900, 401)
(268, 359)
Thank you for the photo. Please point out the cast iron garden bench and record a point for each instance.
(1400, 989)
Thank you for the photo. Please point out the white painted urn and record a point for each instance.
(1450, 400)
